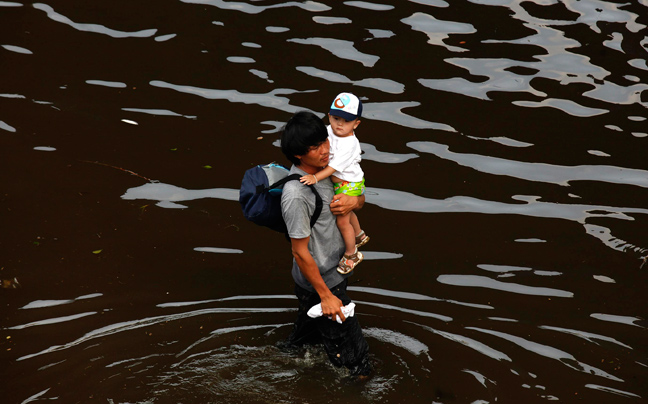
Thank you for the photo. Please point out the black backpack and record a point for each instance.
(260, 196)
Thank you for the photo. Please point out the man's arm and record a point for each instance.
(343, 204)
(331, 305)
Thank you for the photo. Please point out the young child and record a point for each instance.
(345, 172)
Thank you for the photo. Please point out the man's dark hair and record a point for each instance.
(303, 131)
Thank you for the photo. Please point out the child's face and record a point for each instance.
(341, 127)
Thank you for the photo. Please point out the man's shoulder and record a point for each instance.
(293, 190)
(293, 187)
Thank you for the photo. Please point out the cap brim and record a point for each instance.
(343, 114)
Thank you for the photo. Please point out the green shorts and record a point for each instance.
(349, 188)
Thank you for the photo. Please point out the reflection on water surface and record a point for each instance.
(504, 146)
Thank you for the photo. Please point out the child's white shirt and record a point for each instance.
(345, 157)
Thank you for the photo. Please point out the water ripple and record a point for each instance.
(240, 59)
(104, 83)
(37, 304)
(568, 106)
(538, 172)
(158, 112)
(392, 112)
(272, 99)
(331, 20)
(7, 127)
(409, 311)
(146, 322)
(18, 49)
(218, 250)
(339, 48)
(409, 202)
(438, 30)
(385, 85)
(627, 320)
(589, 13)
(408, 343)
(470, 343)
(549, 352)
(481, 76)
(168, 195)
(369, 6)
(55, 320)
(369, 152)
(380, 111)
(433, 3)
(611, 390)
(247, 8)
(412, 296)
(95, 28)
(488, 283)
(588, 336)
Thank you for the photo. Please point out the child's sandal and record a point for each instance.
(361, 239)
(348, 262)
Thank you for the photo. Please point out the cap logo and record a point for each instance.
(341, 102)
(347, 106)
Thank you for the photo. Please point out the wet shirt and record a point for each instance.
(325, 244)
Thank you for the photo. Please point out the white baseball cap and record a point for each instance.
(347, 106)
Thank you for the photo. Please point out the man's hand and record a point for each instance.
(343, 204)
(332, 307)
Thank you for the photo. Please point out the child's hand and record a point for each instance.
(308, 179)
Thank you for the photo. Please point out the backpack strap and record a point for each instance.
(318, 206)
(279, 183)
(292, 177)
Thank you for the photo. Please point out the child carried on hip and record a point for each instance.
(345, 172)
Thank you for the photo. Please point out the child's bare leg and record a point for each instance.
(348, 234)
(355, 223)
(360, 237)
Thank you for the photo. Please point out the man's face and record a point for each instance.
(317, 156)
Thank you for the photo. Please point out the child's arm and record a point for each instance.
(311, 179)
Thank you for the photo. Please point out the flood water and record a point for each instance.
(505, 151)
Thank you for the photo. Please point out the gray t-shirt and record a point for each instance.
(326, 244)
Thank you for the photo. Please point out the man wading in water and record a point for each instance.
(317, 250)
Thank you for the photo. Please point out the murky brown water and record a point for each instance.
(505, 153)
